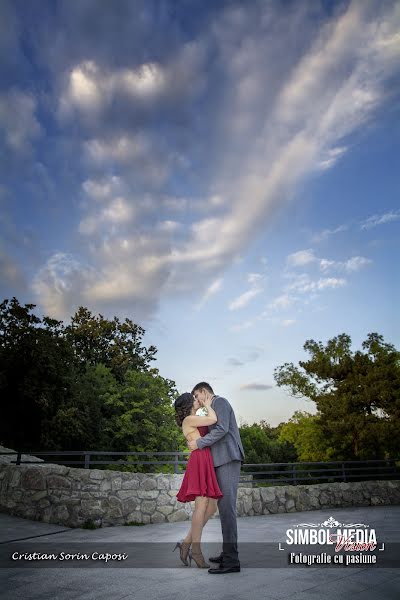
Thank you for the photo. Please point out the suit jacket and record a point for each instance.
(223, 436)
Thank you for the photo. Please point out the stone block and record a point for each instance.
(32, 479)
(157, 517)
(179, 515)
(148, 506)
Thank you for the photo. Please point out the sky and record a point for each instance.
(225, 174)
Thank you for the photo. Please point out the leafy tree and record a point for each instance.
(79, 421)
(304, 432)
(357, 395)
(36, 373)
(114, 344)
(141, 417)
(261, 444)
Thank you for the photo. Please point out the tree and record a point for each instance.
(141, 417)
(261, 444)
(36, 373)
(357, 395)
(114, 344)
(304, 432)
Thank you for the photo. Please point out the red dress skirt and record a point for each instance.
(199, 478)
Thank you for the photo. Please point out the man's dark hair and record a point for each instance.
(203, 385)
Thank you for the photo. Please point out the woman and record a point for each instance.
(199, 482)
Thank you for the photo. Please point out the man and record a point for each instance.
(228, 455)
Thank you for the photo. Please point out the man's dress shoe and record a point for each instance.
(222, 569)
(216, 559)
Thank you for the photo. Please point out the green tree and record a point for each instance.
(114, 344)
(261, 444)
(357, 395)
(36, 373)
(141, 417)
(304, 432)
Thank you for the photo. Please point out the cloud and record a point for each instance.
(326, 233)
(304, 284)
(331, 157)
(281, 302)
(353, 264)
(258, 387)
(301, 258)
(242, 326)
(234, 362)
(89, 88)
(306, 257)
(242, 300)
(61, 284)
(251, 356)
(129, 109)
(18, 121)
(382, 219)
(255, 280)
(212, 289)
(11, 274)
(288, 322)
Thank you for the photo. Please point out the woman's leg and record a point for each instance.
(210, 510)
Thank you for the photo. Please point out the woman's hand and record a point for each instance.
(207, 402)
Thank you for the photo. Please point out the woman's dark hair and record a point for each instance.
(183, 407)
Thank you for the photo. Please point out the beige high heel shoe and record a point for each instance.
(197, 555)
(184, 549)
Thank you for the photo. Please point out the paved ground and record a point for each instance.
(183, 583)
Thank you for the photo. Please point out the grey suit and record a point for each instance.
(228, 455)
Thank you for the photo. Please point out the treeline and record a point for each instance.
(90, 385)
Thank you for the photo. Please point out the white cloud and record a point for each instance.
(331, 157)
(281, 302)
(375, 220)
(303, 283)
(288, 322)
(242, 300)
(212, 289)
(355, 263)
(60, 284)
(89, 88)
(255, 280)
(122, 149)
(241, 326)
(18, 120)
(326, 233)
(301, 258)
(102, 189)
(117, 212)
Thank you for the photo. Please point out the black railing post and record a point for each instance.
(19, 454)
(343, 472)
(294, 475)
(176, 466)
(87, 460)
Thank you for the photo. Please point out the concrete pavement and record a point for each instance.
(182, 583)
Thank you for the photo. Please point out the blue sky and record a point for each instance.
(226, 174)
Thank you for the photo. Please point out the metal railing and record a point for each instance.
(293, 473)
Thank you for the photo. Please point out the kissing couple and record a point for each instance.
(212, 474)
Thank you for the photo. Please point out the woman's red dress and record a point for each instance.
(199, 478)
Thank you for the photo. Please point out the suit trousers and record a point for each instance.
(228, 480)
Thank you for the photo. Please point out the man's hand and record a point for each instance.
(192, 445)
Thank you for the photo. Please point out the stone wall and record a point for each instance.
(71, 496)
